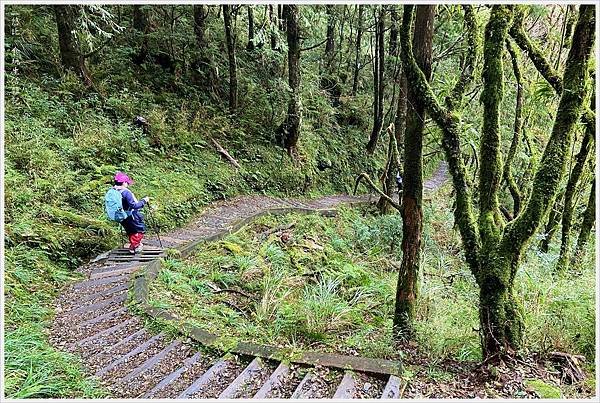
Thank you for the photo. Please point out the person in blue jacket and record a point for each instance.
(134, 224)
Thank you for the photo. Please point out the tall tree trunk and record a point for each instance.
(70, 53)
(250, 45)
(233, 101)
(140, 25)
(378, 69)
(273, 27)
(394, 51)
(412, 195)
(589, 216)
(567, 216)
(200, 15)
(329, 43)
(359, 32)
(294, 115)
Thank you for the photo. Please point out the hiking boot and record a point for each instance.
(139, 249)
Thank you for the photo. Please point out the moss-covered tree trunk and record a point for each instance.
(70, 53)
(501, 325)
(412, 195)
(294, 116)
(200, 16)
(567, 215)
(589, 215)
(233, 93)
(553, 163)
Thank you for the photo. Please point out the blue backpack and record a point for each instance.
(113, 204)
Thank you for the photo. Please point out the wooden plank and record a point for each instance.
(152, 361)
(347, 387)
(361, 364)
(105, 332)
(96, 283)
(100, 318)
(142, 347)
(204, 380)
(98, 305)
(116, 272)
(101, 294)
(273, 382)
(166, 381)
(392, 388)
(255, 366)
(123, 341)
(299, 393)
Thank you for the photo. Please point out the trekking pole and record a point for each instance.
(123, 237)
(152, 223)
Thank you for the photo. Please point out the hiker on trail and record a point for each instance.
(134, 223)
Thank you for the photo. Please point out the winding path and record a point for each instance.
(95, 321)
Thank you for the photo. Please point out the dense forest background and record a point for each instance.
(305, 99)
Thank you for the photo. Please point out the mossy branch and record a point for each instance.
(540, 62)
(552, 166)
(490, 172)
(449, 124)
(367, 179)
(507, 175)
(454, 99)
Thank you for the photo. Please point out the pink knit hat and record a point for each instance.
(122, 177)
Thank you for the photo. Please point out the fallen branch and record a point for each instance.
(366, 177)
(237, 308)
(224, 153)
(232, 290)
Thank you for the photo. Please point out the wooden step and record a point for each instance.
(392, 388)
(100, 318)
(152, 361)
(106, 332)
(273, 382)
(105, 293)
(299, 393)
(204, 380)
(347, 387)
(98, 305)
(130, 354)
(173, 375)
(116, 272)
(98, 282)
(255, 366)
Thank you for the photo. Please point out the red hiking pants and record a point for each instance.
(135, 240)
